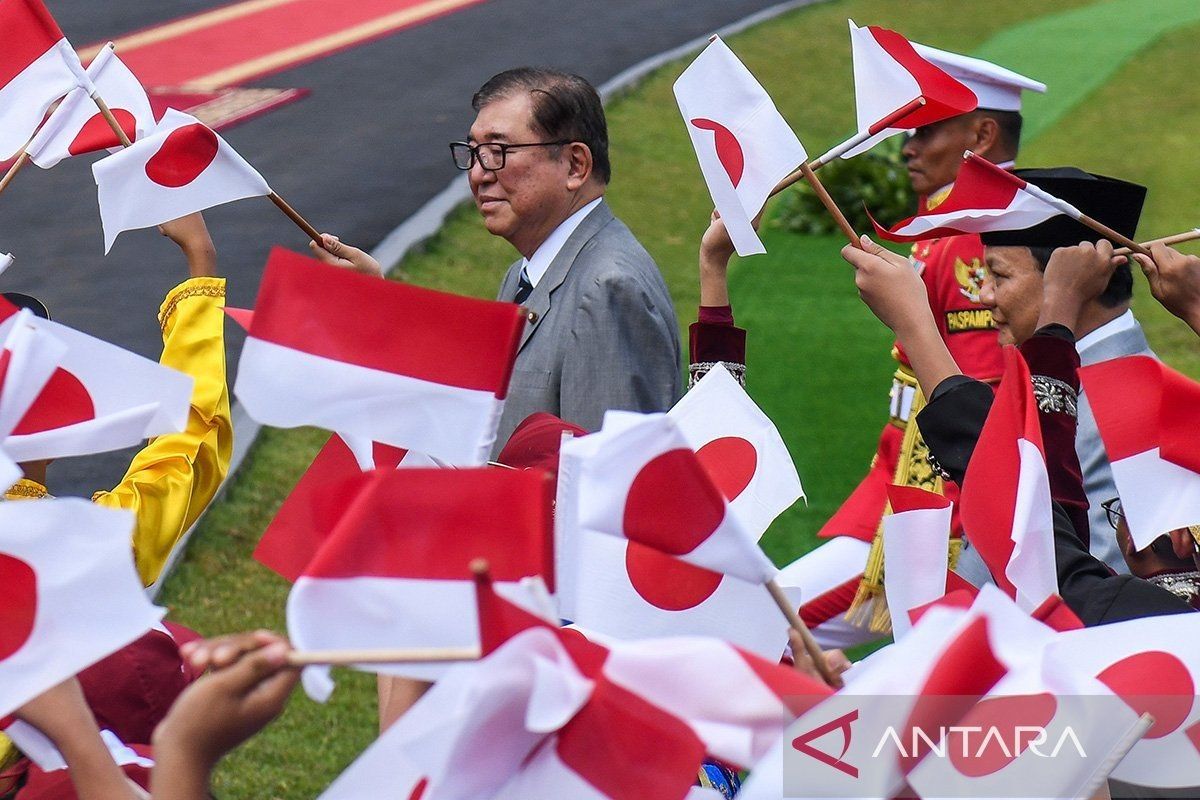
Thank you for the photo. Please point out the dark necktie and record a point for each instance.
(524, 288)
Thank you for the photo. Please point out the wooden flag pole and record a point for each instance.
(797, 624)
(300, 221)
(830, 205)
(1186, 236)
(412, 655)
(106, 112)
(851, 143)
(13, 170)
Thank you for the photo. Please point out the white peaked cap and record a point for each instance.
(996, 87)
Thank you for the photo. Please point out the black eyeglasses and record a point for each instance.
(1112, 508)
(491, 155)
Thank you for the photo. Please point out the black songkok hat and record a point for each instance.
(28, 301)
(1116, 203)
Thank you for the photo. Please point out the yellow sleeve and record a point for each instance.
(175, 476)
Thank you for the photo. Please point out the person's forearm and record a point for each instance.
(201, 259)
(93, 772)
(927, 353)
(178, 776)
(714, 281)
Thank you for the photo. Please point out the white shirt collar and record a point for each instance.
(1121, 324)
(544, 256)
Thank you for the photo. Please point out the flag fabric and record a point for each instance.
(37, 67)
(77, 127)
(627, 590)
(1148, 415)
(100, 397)
(28, 361)
(740, 449)
(395, 570)
(381, 360)
(889, 73)
(180, 168)
(1080, 731)
(916, 538)
(744, 145)
(310, 512)
(69, 590)
(6, 261)
(1153, 664)
(984, 198)
(1005, 501)
(646, 485)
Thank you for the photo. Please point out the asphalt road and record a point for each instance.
(364, 151)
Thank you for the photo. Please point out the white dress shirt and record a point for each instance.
(1111, 328)
(544, 256)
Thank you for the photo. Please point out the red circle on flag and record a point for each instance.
(184, 155)
(668, 583)
(1155, 683)
(669, 510)
(18, 604)
(729, 149)
(97, 134)
(731, 462)
(64, 400)
(978, 752)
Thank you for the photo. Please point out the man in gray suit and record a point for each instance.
(602, 331)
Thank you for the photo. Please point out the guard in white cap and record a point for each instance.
(854, 610)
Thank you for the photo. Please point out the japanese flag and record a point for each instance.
(1005, 500)
(1153, 664)
(395, 571)
(888, 74)
(744, 146)
(308, 513)
(37, 67)
(70, 593)
(916, 537)
(29, 359)
(740, 449)
(1148, 415)
(644, 484)
(77, 126)
(180, 168)
(627, 590)
(100, 398)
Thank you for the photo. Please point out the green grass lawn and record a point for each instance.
(819, 362)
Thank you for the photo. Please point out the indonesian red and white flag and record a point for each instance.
(1148, 415)
(37, 67)
(395, 571)
(77, 127)
(70, 593)
(916, 540)
(382, 360)
(1047, 727)
(178, 169)
(744, 145)
(100, 398)
(984, 198)
(1005, 501)
(1153, 664)
(626, 590)
(740, 449)
(645, 484)
(310, 512)
(888, 74)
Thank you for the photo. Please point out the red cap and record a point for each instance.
(536, 442)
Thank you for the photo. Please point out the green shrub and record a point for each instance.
(877, 179)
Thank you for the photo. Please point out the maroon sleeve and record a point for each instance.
(1054, 363)
(713, 339)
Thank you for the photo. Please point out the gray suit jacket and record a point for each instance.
(1097, 473)
(604, 335)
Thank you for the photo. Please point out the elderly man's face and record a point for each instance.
(523, 201)
(1013, 291)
